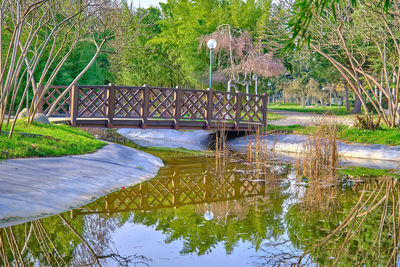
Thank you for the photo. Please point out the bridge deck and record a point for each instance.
(157, 108)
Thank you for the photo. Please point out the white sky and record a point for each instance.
(145, 3)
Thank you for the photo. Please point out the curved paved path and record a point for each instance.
(38, 187)
(192, 140)
(306, 118)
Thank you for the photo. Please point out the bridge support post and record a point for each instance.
(207, 181)
(74, 103)
(238, 109)
(145, 105)
(209, 108)
(237, 186)
(176, 193)
(111, 104)
(144, 189)
(178, 106)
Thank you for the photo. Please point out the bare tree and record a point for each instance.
(104, 24)
(44, 31)
(239, 60)
(363, 45)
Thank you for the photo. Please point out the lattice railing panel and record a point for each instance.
(194, 105)
(128, 199)
(98, 205)
(159, 192)
(252, 188)
(62, 107)
(128, 102)
(251, 108)
(192, 189)
(177, 188)
(224, 186)
(161, 103)
(223, 106)
(92, 102)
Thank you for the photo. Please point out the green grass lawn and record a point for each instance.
(384, 136)
(388, 136)
(333, 110)
(274, 116)
(362, 172)
(54, 140)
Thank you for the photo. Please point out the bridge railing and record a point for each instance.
(173, 188)
(157, 107)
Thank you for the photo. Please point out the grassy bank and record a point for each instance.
(331, 110)
(273, 117)
(363, 172)
(384, 136)
(39, 140)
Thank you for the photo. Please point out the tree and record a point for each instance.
(314, 91)
(239, 59)
(305, 11)
(297, 89)
(137, 60)
(37, 38)
(185, 22)
(303, 64)
(103, 25)
(362, 44)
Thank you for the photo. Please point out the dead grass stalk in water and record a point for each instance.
(317, 167)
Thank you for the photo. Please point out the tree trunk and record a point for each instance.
(303, 101)
(346, 95)
(357, 105)
(63, 94)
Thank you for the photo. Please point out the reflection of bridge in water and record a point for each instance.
(174, 187)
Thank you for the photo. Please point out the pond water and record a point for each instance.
(195, 213)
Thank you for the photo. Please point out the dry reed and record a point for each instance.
(317, 167)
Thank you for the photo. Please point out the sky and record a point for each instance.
(145, 3)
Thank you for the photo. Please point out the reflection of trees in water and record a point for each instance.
(365, 231)
(247, 206)
(257, 220)
(277, 252)
(56, 241)
(332, 225)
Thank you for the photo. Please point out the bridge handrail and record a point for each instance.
(116, 102)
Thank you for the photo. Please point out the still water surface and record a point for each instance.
(194, 214)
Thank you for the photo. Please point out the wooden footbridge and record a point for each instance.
(156, 107)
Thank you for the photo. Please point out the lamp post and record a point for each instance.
(208, 215)
(269, 92)
(211, 44)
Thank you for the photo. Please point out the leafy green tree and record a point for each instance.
(98, 74)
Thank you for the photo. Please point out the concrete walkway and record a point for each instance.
(39, 187)
(191, 140)
(307, 119)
